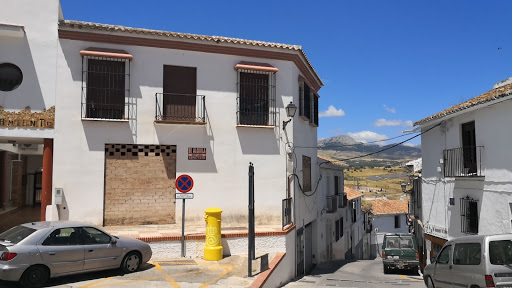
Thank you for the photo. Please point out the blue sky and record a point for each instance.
(383, 63)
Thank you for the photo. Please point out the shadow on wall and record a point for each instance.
(97, 134)
(258, 141)
(20, 55)
(189, 136)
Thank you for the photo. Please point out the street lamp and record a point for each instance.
(290, 112)
(404, 186)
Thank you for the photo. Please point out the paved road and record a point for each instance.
(362, 273)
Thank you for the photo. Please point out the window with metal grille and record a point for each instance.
(256, 98)
(304, 101)
(469, 215)
(105, 88)
(313, 120)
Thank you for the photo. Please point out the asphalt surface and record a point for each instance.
(361, 273)
(228, 272)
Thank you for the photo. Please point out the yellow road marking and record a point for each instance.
(166, 276)
(96, 282)
(125, 282)
(228, 268)
(412, 279)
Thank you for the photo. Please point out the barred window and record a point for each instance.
(469, 215)
(105, 88)
(256, 98)
(308, 104)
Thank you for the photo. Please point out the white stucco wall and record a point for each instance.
(493, 191)
(221, 180)
(386, 223)
(34, 52)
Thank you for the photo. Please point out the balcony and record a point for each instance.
(173, 108)
(463, 162)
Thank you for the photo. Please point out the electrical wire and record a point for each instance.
(385, 149)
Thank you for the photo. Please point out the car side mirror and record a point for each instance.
(113, 240)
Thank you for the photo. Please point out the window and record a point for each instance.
(337, 224)
(306, 173)
(94, 236)
(63, 237)
(467, 254)
(336, 185)
(444, 256)
(353, 205)
(469, 147)
(16, 234)
(308, 104)
(105, 88)
(178, 101)
(500, 252)
(469, 215)
(341, 227)
(397, 221)
(256, 98)
(10, 77)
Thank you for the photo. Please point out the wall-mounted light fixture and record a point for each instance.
(404, 186)
(290, 112)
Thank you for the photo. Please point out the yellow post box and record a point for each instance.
(213, 247)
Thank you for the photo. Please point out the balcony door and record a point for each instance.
(469, 147)
(179, 99)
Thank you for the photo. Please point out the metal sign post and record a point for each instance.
(184, 184)
(251, 255)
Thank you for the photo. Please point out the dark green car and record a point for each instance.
(400, 251)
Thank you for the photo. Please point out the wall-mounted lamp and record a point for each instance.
(290, 112)
(404, 186)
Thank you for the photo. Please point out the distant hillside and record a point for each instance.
(343, 146)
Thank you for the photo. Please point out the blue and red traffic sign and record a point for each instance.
(184, 183)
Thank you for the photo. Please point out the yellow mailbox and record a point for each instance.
(213, 247)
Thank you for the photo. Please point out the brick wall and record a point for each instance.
(139, 184)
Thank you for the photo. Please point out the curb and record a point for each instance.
(263, 277)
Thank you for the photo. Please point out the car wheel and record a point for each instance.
(35, 276)
(131, 262)
(430, 283)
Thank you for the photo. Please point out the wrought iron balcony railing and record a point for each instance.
(463, 162)
(180, 108)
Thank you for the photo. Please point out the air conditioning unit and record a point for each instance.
(332, 203)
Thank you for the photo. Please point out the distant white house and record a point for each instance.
(467, 168)
(389, 216)
(414, 166)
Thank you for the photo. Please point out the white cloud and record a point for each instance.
(409, 144)
(389, 109)
(368, 136)
(332, 112)
(385, 122)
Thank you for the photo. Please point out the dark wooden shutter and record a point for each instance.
(180, 91)
(306, 173)
(315, 102)
(469, 147)
(254, 100)
(473, 217)
(307, 101)
(105, 89)
(336, 185)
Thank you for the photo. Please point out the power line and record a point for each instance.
(387, 148)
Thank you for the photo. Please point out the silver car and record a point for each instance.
(32, 253)
(472, 261)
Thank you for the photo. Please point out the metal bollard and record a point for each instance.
(213, 246)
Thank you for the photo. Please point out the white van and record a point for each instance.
(472, 261)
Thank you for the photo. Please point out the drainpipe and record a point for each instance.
(46, 194)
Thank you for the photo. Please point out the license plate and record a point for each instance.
(396, 257)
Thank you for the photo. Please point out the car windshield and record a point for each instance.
(16, 234)
(399, 242)
(500, 252)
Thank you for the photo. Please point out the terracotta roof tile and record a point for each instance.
(351, 193)
(492, 95)
(389, 206)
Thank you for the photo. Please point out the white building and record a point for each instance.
(467, 170)
(136, 108)
(389, 216)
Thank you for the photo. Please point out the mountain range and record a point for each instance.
(343, 147)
